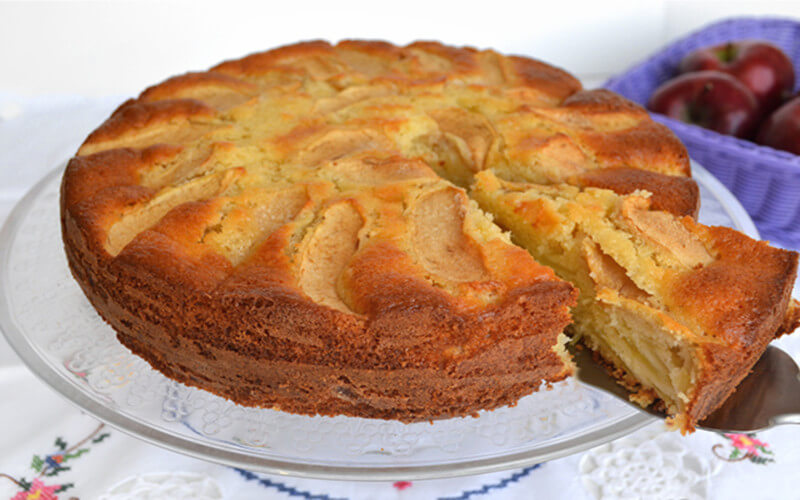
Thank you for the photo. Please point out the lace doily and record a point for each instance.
(165, 486)
(654, 464)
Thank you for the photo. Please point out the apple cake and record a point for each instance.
(294, 230)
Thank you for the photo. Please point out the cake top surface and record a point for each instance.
(326, 164)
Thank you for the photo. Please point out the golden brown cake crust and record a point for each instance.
(397, 331)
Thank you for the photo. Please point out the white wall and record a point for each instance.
(118, 48)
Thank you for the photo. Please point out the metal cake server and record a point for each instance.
(769, 396)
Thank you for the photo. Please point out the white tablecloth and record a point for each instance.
(48, 447)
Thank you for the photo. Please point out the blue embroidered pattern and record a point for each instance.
(496, 486)
(465, 495)
(292, 492)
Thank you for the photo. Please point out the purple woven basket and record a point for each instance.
(765, 180)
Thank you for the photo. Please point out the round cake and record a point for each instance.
(292, 230)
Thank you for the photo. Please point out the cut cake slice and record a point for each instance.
(679, 311)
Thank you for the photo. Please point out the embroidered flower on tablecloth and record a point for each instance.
(53, 464)
(402, 485)
(37, 490)
(745, 447)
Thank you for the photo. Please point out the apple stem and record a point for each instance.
(729, 52)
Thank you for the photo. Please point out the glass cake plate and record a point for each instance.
(57, 333)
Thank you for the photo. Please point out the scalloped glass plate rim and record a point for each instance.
(231, 456)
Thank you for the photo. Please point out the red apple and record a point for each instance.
(782, 129)
(764, 68)
(710, 99)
